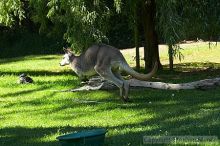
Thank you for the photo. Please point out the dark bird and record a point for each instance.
(24, 79)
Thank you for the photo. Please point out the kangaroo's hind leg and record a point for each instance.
(107, 74)
(117, 74)
(125, 91)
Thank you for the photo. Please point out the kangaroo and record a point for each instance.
(106, 61)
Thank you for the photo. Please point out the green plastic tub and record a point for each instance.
(93, 137)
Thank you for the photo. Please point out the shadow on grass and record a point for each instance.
(184, 115)
(24, 136)
(188, 113)
(23, 92)
(187, 72)
(39, 73)
(5, 61)
(28, 58)
(41, 86)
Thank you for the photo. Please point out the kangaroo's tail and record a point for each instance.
(144, 77)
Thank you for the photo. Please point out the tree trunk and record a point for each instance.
(151, 50)
(137, 50)
(170, 56)
(136, 39)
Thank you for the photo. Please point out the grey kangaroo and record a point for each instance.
(108, 62)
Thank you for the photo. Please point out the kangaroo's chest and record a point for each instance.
(83, 71)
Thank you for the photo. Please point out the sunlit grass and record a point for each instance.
(193, 52)
(34, 114)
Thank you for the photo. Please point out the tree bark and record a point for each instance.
(137, 49)
(151, 50)
(170, 56)
(136, 39)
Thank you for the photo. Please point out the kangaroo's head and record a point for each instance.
(67, 57)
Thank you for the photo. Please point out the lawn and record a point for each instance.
(34, 115)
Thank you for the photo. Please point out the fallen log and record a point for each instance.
(201, 84)
(98, 83)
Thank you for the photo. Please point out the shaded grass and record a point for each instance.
(34, 115)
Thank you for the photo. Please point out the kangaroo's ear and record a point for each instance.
(65, 50)
(69, 52)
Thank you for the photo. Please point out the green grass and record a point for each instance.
(34, 115)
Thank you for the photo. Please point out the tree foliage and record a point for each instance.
(202, 19)
(83, 22)
(11, 12)
(80, 21)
